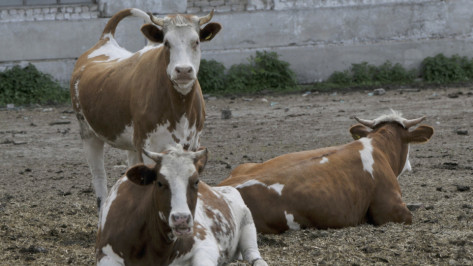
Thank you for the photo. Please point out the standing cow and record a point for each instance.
(334, 187)
(148, 99)
(163, 215)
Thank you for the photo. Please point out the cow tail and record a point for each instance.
(113, 22)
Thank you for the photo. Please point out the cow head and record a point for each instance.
(175, 178)
(181, 36)
(395, 126)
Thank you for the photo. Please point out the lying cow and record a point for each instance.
(148, 99)
(163, 215)
(334, 187)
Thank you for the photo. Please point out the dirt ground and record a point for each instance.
(47, 206)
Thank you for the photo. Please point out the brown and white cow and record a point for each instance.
(163, 215)
(148, 99)
(337, 186)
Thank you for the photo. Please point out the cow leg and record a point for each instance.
(94, 152)
(389, 208)
(133, 158)
(206, 255)
(109, 261)
(247, 244)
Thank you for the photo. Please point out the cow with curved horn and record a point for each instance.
(162, 215)
(148, 99)
(337, 186)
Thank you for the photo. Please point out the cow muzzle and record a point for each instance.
(182, 224)
(183, 75)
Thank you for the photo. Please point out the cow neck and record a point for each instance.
(388, 139)
(157, 101)
(171, 102)
(167, 247)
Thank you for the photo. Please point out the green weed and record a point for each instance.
(264, 71)
(23, 86)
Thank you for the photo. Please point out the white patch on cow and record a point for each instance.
(205, 249)
(108, 202)
(124, 140)
(110, 49)
(276, 186)
(290, 221)
(324, 160)
(367, 155)
(161, 137)
(176, 168)
(183, 54)
(76, 90)
(227, 239)
(162, 217)
(148, 47)
(407, 164)
(110, 258)
(140, 13)
(394, 116)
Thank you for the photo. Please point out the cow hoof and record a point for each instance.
(259, 262)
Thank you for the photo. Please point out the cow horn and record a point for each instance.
(413, 122)
(205, 19)
(368, 123)
(155, 156)
(156, 20)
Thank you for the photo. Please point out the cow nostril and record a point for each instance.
(180, 218)
(185, 70)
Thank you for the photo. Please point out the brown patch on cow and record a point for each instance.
(223, 224)
(177, 140)
(199, 231)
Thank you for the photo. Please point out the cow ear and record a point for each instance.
(152, 33)
(359, 131)
(209, 31)
(201, 159)
(420, 135)
(141, 174)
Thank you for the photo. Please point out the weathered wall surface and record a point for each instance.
(316, 37)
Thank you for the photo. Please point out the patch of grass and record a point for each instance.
(365, 74)
(441, 69)
(23, 86)
(211, 75)
(264, 71)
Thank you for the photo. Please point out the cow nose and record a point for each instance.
(180, 218)
(184, 69)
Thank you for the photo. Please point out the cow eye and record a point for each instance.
(196, 183)
(166, 43)
(160, 184)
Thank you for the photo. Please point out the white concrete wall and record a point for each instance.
(315, 37)
(318, 41)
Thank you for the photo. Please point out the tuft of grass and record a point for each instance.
(441, 69)
(211, 75)
(365, 74)
(264, 71)
(24, 86)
